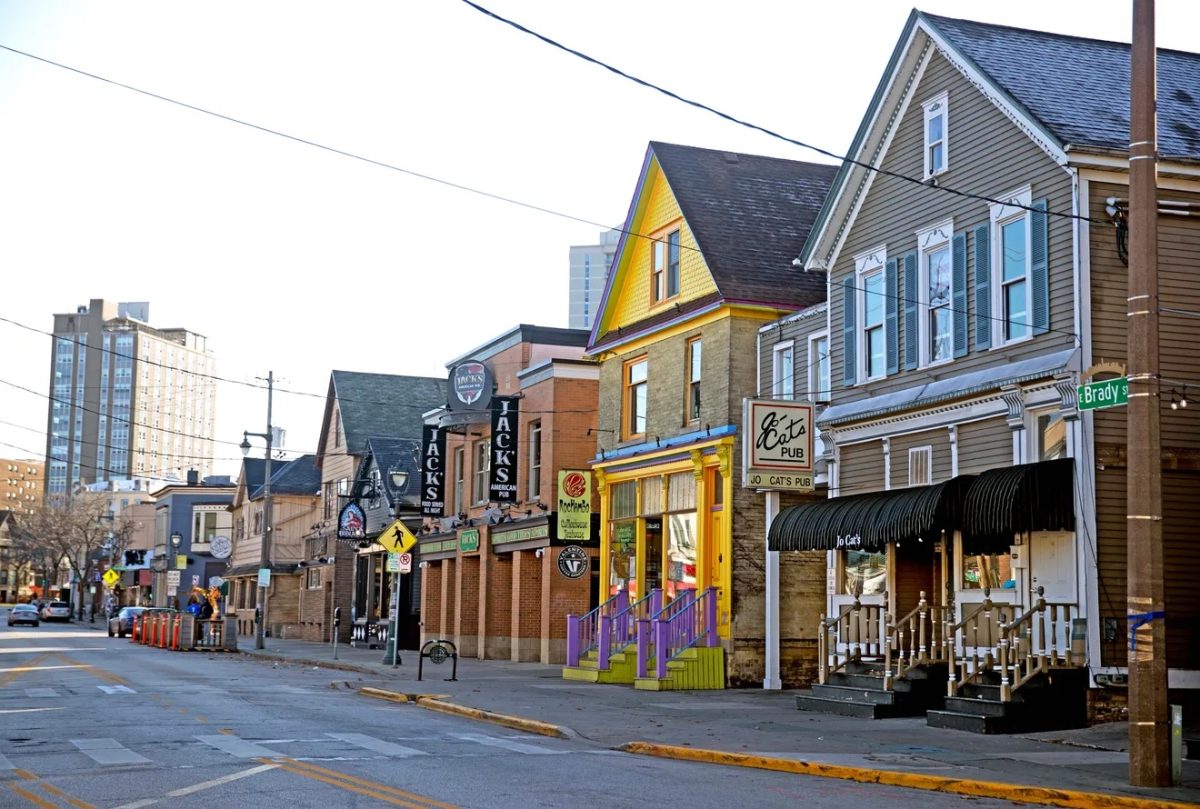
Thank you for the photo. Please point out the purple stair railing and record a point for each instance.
(583, 632)
(620, 630)
(690, 620)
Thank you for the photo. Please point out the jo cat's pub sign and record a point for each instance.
(778, 450)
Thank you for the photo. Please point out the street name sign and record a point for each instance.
(1105, 393)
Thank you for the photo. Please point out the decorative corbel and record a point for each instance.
(1014, 400)
(601, 481)
(1068, 396)
(725, 459)
(697, 463)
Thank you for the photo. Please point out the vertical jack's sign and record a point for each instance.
(502, 486)
(433, 471)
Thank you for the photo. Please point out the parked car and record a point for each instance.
(121, 624)
(56, 611)
(23, 614)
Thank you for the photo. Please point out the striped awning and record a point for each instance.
(1016, 500)
(870, 521)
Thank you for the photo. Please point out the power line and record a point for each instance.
(769, 132)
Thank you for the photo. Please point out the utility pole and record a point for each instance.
(264, 557)
(1149, 728)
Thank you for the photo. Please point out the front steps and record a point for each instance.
(622, 668)
(1056, 700)
(696, 669)
(858, 691)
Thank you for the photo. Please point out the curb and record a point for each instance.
(515, 722)
(977, 789)
(379, 693)
(324, 664)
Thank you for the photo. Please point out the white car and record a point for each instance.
(56, 611)
(23, 614)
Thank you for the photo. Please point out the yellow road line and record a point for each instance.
(34, 779)
(393, 795)
(34, 799)
(26, 774)
(13, 675)
(349, 787)
(58, 793)
(103, 674)
(226, 731)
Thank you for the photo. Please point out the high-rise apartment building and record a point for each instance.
(127, 400)
(589, 269)
(20, 484)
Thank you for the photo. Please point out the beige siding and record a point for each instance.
(798, 332)
(861, 468)
(937, 440)
(988, 155)
(984, 445)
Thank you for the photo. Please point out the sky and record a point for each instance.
(295, 259)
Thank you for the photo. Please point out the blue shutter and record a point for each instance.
(1039, 269)
(958, 293)
(912, 327)
(983, 288)
(891, 318)
(849, 342)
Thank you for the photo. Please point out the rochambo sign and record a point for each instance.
(778, 450)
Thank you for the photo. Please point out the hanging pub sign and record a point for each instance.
(433, 471)
(778, 450)
(352, 522)
(502, 482)
(574, 511)
(470, 386)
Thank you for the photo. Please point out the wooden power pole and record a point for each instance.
(1149, 727)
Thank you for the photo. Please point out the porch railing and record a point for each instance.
(979, 635)
(690, 620)
(620, 630)
(916, 639)
(1032, 643)
(853, 633)
(583, 631)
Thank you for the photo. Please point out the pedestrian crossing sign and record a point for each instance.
(397, 538)
(111, 577)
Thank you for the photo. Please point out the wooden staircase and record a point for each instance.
(859, 691)
(622, 668)
(1055, 699)
(699, 668)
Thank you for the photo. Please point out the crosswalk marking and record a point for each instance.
(238, 747)
(5, 764)
(108, 751)
(40, 692)
(377, 745)
(516, 747)
(116, 689)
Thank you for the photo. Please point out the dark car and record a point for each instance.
(121, 624)
(23, 614)
(56, 611)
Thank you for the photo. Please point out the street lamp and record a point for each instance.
(173, 563)
(264, 557)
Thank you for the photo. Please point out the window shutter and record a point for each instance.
(891, 317)
(983, 288)
(911, 313)
(1039, 268)
(958, 293)
(849, 343)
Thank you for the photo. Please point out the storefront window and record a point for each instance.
(681, 553)
(864, 574)
(993, 572)
(623, 558)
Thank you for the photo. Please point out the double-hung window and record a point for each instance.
(483, 465)
(1011, 265)
(535, 460)
(635, 398)
(936, 293)
(872, 338)
(818, 367)
(783, 371)
(664, 272)
(936, 126)
(460, 478)
(693, 380)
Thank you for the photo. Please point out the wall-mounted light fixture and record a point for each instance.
(423, 565)
(539, 553)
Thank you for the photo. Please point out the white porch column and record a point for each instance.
(771, 600)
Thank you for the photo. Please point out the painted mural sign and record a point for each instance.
(433, 471)
(574, 511)
(502, 479)
(352, 522)
(778, 451)
(470, 386)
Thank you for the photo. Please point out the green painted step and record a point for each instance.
(696, 669)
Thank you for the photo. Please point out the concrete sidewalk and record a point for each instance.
(757, 728)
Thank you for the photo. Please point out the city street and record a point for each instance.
(89, 720)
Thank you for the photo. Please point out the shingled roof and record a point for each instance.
(381, 405)
(1078, 89)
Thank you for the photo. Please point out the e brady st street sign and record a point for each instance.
(1105, 393)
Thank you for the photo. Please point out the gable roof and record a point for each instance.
(404, 454)
(749, 216)
(379, 404)
(1078, 89)
(297, 476)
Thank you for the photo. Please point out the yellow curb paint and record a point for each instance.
(978, 789)
(379, 693)
(515, 722)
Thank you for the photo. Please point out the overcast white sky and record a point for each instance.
(297, 260)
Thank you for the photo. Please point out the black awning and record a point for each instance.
(870, 521)
(1017, 500)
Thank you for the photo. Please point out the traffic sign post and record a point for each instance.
(1105, 393)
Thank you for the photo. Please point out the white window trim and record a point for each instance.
(814, 384)
(777, 366)
(536, 460)
(916, 452)
(928, 240)
(942, 99)
(865, 264)
(1001, 215)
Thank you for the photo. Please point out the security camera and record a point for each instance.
(796, 262)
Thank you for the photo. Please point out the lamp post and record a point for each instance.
(399, 483)
(173, 563)
(264, 557)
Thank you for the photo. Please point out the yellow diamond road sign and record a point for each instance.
(111, 577)
(397, 538)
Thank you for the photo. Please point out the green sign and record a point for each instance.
(625, 535)
(469, 540)
(1105, 393)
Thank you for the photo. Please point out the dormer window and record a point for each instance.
(936, 127)
(664, 272)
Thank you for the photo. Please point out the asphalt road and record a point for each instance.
(92, 721)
